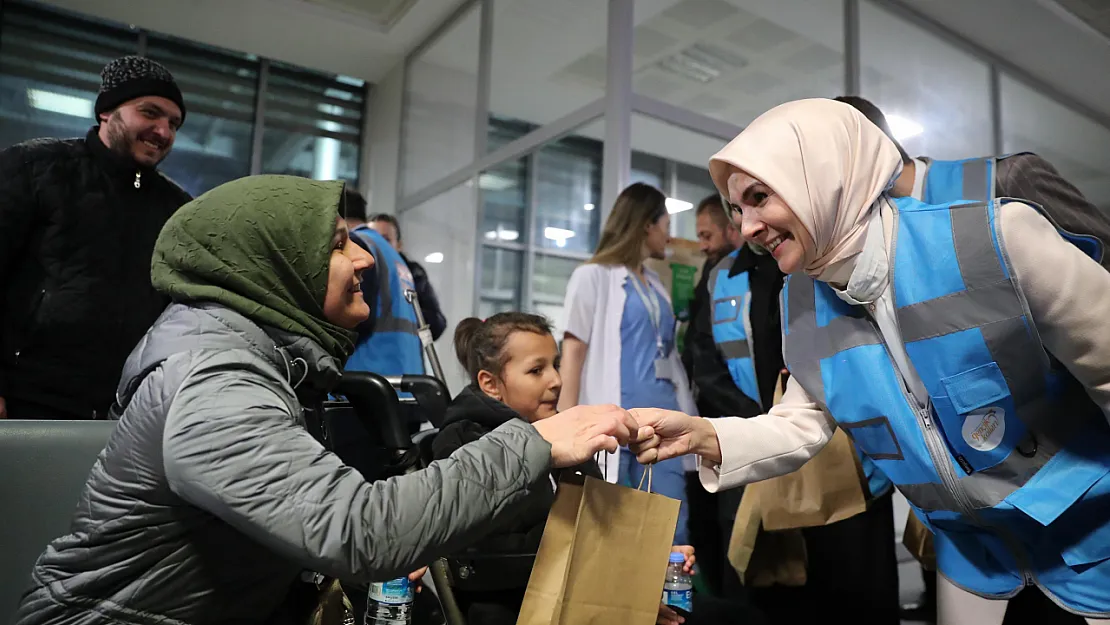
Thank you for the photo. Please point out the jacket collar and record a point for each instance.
(473, 405)
(748, 259)
(112, 161)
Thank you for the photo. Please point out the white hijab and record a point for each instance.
(827, 162)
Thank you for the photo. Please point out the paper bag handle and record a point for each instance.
(645, 474)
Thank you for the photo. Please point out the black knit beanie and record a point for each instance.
(131, 77)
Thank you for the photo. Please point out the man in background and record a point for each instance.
(78, 221)
(389, 341)
(387, 226)
(717, 238)
(711, 514)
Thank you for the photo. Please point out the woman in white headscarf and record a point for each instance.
(963, 347)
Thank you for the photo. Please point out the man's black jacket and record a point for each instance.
(78, 224)
(717, 395)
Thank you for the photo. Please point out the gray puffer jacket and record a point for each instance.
(211, 497)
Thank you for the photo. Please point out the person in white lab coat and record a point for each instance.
(619, 345)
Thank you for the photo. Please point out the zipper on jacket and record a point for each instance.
(138, 179)
(936, 444)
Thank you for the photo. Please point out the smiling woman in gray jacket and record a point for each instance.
(211, 497)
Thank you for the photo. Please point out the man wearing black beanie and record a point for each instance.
(78, 221)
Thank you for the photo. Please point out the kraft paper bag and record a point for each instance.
(919, 541)
(764, 559)
(602, 558)
(830, 487)
(827, 489)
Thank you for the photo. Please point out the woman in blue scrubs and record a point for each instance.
(619, 346)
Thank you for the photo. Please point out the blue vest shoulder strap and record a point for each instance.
(971, 179)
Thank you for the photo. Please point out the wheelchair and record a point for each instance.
(371, 432)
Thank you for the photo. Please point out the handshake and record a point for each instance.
(653, 434)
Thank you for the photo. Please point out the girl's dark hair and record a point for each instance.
(480, 345)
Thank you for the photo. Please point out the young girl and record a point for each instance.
(513, 363)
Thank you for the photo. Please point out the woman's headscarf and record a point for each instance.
(827, 162)
(261, 246)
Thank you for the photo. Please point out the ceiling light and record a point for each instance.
(558, 235)
(434, 258)
(588, 207)
(60, 103)
(495, 182)
(504, 235)
(903, 128)
(703, 62)
(675, 205)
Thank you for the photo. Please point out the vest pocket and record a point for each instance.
(726, 310)
(1083, 531)
(1070, 496)
(978, 417)
(874, 437)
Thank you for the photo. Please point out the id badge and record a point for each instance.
(663, 369)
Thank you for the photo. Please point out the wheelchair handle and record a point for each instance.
(430, 394)
(366, 392)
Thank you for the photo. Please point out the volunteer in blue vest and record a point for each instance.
(851, 565)
(962, 346)
(388, 342)
(388, 226)
(619, 343)
(1022, 175)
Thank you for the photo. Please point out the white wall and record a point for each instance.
(382, 142)
(437, 136)
(447, 224)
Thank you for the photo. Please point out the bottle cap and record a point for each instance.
(677, 558)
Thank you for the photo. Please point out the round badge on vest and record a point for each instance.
(984, 428)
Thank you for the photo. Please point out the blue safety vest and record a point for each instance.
(394, 348)
(732, 327)
(1009, 463)
(732, 333)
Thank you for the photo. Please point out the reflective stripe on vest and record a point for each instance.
(998, 407)
(971, 179)
(732, 328)
(975, 179)
(394, 348)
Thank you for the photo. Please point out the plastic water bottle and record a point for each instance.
(389, 603)
(678, 589)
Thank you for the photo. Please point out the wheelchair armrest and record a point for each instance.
(484, 572)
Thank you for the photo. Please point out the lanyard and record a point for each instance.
(655, 311)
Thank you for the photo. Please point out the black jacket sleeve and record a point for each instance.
(17, 215)
(1030, 177)
(717, 395)
(429, 302)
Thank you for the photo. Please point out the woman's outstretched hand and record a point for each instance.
(576, 434)
(674, 434)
